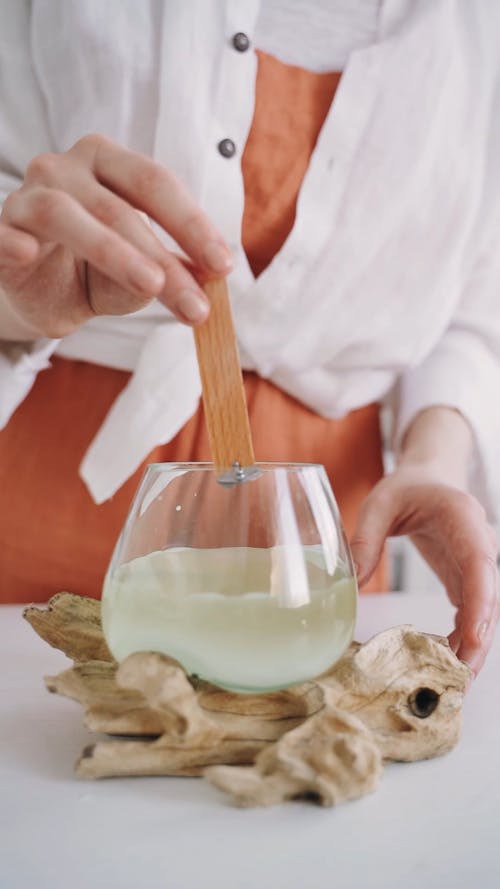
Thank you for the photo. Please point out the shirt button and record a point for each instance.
(241, 42)
(227, 147)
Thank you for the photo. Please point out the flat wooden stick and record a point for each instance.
(222, 382)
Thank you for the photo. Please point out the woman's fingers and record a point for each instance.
(470, 545)
(153, 189)
(478, 612)
(116, 250)
(17, 248)
(54, 216)
(64, 173)
(375, 521)
(78, 174)
(452, 533)
(119, 216)
(181, 292)
(85, 201)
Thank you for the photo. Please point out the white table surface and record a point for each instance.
(430, 824)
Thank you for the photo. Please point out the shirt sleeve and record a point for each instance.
(463, 372)
(463, 369)
(24, 129)
(24, 133)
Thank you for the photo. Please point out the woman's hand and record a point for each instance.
(449, 528)
(72, 244)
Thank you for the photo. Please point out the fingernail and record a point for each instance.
(217, 257)
(482, 629)
(144, 276)
(192, 305)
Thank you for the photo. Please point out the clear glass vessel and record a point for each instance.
(245, 579)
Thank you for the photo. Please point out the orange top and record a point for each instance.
(290, 108)
(52, 535)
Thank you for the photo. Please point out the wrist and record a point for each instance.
(437, 446)
(428, 470)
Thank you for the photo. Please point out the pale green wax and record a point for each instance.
(235, 617)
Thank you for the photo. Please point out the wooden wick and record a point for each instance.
(222, 382)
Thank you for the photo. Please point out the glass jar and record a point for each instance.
(245, 579)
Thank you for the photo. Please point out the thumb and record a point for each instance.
(375, 520)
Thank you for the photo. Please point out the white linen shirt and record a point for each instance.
(388, 284)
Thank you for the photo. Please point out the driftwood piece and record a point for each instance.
(330, 758)
(186, 727)
(398, 696)
(116, 709)
(407, 688)
(108, 708)
(73, 625)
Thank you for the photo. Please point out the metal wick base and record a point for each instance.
(238, 473)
